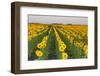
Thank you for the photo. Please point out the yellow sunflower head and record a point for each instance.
(64, 55)
(43, 44)
(64, 45)
(61, 48)
(40, 45)
(39, 53)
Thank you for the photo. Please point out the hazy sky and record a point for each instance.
(57, 19)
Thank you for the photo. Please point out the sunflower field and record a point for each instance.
(57, 41)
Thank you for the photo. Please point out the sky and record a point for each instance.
(47, 19)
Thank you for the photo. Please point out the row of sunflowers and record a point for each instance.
(57, 41)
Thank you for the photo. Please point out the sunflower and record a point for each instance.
(39, 53)
(64, 45)
(76, 44)
(40, 45)
(61, 48)
(44, 45)
(64, 55)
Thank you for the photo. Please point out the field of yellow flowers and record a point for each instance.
(57, 41)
